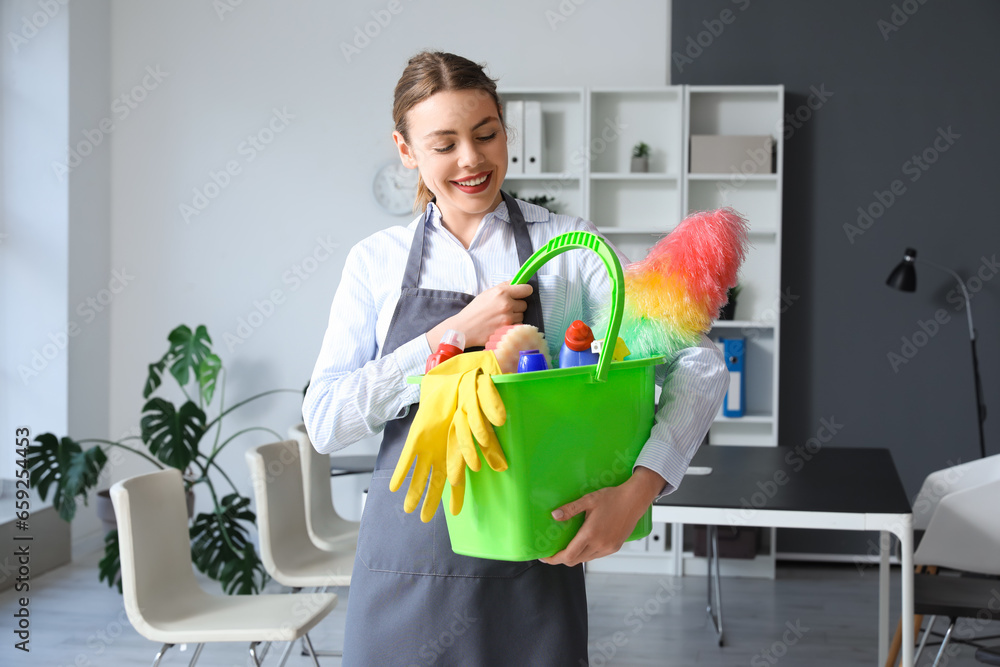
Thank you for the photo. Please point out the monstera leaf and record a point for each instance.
(64, 463)
(187, 351)
(155, 377)
(110, 567)
(172, 435)
(220, 547)
(208, 376)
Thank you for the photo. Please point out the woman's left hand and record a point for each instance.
(611, 514)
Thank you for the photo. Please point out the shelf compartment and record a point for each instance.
(757, 200)
(563, 126)
(619, 119)
(635, 204)
(568, 197)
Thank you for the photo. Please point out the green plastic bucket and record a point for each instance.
(568, 432)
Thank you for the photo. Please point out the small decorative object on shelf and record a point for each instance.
(544, 201)
(728, 311)
(640, 158)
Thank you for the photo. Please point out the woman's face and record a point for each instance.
(460, 147)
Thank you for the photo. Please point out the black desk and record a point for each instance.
(834, 488)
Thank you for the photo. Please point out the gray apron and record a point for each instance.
(413, 601)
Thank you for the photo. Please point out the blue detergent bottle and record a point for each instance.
(576, 346)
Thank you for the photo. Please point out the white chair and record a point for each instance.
(963, 534)
(163, 600)
(940, 483)
(287, 551)
(327, 529)
(936, 486)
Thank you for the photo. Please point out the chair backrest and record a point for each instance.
(964, 533)
(322, 518)
(276, 473)
(151, 512)
(940, 483)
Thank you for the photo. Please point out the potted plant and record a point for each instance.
(728, 311)
(183, 438)
(539, 200)
(640, 158)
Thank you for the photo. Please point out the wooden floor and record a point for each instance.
(823, 616)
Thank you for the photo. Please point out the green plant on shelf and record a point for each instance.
(641, 149)
(182, 438)
(539, 200)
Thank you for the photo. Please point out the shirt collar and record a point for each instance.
(499, 213)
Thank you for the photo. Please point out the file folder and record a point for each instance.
(533, 139)
(734, 349)
(514, 115)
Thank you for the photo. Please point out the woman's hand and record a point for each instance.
(498, 306)
(612, 513)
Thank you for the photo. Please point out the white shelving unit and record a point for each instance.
(589, 135)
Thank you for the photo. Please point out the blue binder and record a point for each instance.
(735, 403)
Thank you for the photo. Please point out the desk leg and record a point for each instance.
(905, 536)
(885, 544)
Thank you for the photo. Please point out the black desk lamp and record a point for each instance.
(904, 278)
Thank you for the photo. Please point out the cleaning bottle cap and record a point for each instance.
(579, 336)
(455, 338)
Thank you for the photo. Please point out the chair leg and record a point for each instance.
(944, 642)
(197, 653)
(263, 651)
(312, 653)
(923, 640)
(159, 654)
(285, 653)
(253, 654)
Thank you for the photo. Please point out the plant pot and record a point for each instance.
(640, 165)
(728, 311)
(106, 509)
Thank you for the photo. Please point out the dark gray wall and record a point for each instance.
(892, 91)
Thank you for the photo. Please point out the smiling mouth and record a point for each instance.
(475, 183)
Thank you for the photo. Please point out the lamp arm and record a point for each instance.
(961, 284)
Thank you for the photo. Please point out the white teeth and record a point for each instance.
(473, 182)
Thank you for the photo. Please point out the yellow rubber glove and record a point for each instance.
(479, 406)
(426, 447)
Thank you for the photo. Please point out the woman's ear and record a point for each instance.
(406, 155)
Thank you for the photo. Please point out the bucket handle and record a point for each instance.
(586, 241)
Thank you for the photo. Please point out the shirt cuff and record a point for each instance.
(666, 461)
(411, 358)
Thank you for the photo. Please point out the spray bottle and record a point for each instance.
(576, 348)
(452, 343)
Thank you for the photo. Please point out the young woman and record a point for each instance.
(413, 601)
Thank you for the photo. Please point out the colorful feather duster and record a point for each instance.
(673, 295)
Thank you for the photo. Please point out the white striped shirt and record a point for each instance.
(354, 390)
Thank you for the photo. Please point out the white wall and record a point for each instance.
(33, 251)
(221, 79)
